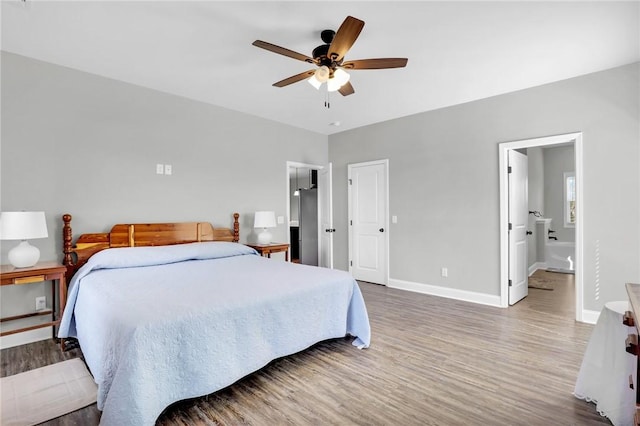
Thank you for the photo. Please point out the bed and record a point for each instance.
(166, 312)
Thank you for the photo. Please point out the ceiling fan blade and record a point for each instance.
(294, 78)
(346, 89)
(344, 38)
(375, 64)
(283, 51)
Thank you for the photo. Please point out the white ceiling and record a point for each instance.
(458, 51)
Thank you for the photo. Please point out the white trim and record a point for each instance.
(579, 230)
(448, 292)
(24, 338)
(590, 317)
(566, 175)
(385, 163)
(538, 265)
(503, 148)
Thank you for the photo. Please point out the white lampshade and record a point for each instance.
(23, 226)
(340, 78)
(264, 220)
(314, 82)
(322, 74)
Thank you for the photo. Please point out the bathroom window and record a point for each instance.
(569, 199)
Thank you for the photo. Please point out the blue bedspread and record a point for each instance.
(161, 324)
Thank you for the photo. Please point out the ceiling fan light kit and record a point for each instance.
(322, 74)
(329, 58)
(339, 79)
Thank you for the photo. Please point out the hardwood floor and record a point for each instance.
(558, 298)
(432, 361)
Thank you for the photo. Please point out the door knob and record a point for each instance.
(529, 232)
(381, 229)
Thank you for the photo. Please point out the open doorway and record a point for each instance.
(303, 214)
(548, 222)
(310, 218)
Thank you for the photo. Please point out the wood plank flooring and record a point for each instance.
(432, 361)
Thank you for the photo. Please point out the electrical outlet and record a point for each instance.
(160, 169)
(444, 272)
(41, 303)
(168, 169)
(280, 220)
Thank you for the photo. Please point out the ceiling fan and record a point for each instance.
(329, 58)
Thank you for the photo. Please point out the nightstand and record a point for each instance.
(42, 271)
(267, 249)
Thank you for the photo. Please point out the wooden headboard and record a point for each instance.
(139, 235)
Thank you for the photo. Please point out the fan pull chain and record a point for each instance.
(327, 103)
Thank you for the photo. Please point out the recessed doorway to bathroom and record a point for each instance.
(551, 222)
(551, 264)
(552, 208)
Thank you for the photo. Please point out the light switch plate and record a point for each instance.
(168, 169)
(160, 169)
(41, 303)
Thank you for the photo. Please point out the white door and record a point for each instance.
(368, 240)
(518, 218)
(325, 211)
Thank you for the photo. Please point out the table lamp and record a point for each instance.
(264, 220)
(23, 226)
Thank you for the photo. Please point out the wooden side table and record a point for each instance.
(265, 250)
(42, 271)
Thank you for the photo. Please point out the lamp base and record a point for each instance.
(24, 255)
(264, 237)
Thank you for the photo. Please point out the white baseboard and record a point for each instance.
(450, 293)
(25, 337)
(538, 265)
(590, 317)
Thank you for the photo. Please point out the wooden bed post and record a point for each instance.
(66, 237)
(236, 228)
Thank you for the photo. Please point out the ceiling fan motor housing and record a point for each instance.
(320, 55)
(327, 36)
(320, 52)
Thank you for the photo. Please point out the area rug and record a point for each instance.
(45, 393)
(540, 283)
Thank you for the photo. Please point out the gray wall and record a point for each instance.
(557, 161)
(73, 142)
(535, 160)
(444, 183)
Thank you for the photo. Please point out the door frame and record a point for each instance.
(327, 235)
(297, 164)
(385, 163)
(576, 139)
